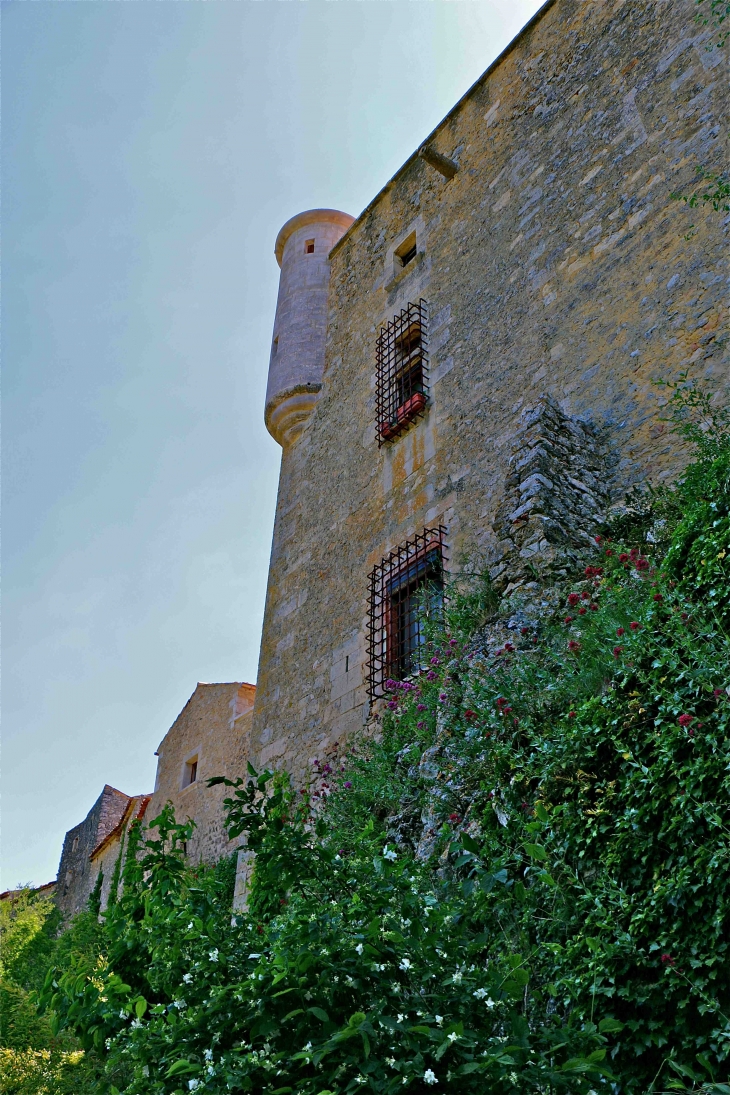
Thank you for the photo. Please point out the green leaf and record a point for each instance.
(536, 851)
(541, 811)
(140, 1007)
(180, 1067)
(469, 843)
(319, 1014)
(610, 1026)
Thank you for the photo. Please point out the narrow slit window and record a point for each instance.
(275, 347)
(404, 590)
(309, 247)
(402, 371)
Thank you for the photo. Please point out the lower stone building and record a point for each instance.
(210, 737)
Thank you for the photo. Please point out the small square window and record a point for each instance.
(190, 771)
(405, 588)
(309, 247)
(402, 371)
(406, 252)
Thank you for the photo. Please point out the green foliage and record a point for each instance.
(521, 883)
(33, 1060)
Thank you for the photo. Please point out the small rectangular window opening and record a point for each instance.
(190, 774)
(407, 251)
(309, 247)
(402, 371)
(347, 663)
(405, 589)
(275, 347)
(75, 844)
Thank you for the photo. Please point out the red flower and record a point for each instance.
(619, 631)
(573, 645)
(642, 564)
(634, 625)
(573, 598)
(667, 960)
(593, 607)
(623, 557)
(598, 539)
(685, 617)
(618, 651)
(582, 611)
(658, 597)
(608, 551)
(455, 818)
(568, 620)
(685, 720)
(634, 554)
(571, 714)
(524, 631)
(501, 701)
(469, 714)
(585, 595)
(717, 693)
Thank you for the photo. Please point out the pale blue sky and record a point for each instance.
(151, 152)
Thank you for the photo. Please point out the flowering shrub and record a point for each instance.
(522, 884)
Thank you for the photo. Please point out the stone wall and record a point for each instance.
(213, 729)
(76, 874)
(555, 264)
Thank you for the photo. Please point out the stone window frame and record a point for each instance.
(193, 757)
(385, 642)
(401, 378)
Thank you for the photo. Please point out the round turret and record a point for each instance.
(297, 351)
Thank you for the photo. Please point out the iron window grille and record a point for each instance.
(402, 371)
(404, 589)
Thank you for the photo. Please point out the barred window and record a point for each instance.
(402, 371)
(404, 588)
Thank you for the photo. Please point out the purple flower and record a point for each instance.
(442, 696)
(348, 784)
(420, 707)
(435, 661)
(392, 704)
(421, 725)
(430, 676)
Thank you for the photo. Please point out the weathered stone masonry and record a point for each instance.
(557, 274)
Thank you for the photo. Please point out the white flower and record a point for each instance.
(180, 1004)
(429, 1077)
(480, 993)
(401, 1018)
(213, 955)
(193, 1085)
(439, 1020)
(190, 925)
(146, 1070)
(457, 978)
(490, 1003)
(452, 1037)
(359, 948)
(187, 978)
(388, 853)
(390, 1061)
(208, 1054)
(307, 1048)
(405, 964)
(210, 1070)
(136, 1024)
(513, 1077)
(122, 1014)
(395, 987)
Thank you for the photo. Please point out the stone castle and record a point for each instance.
(464, 372)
